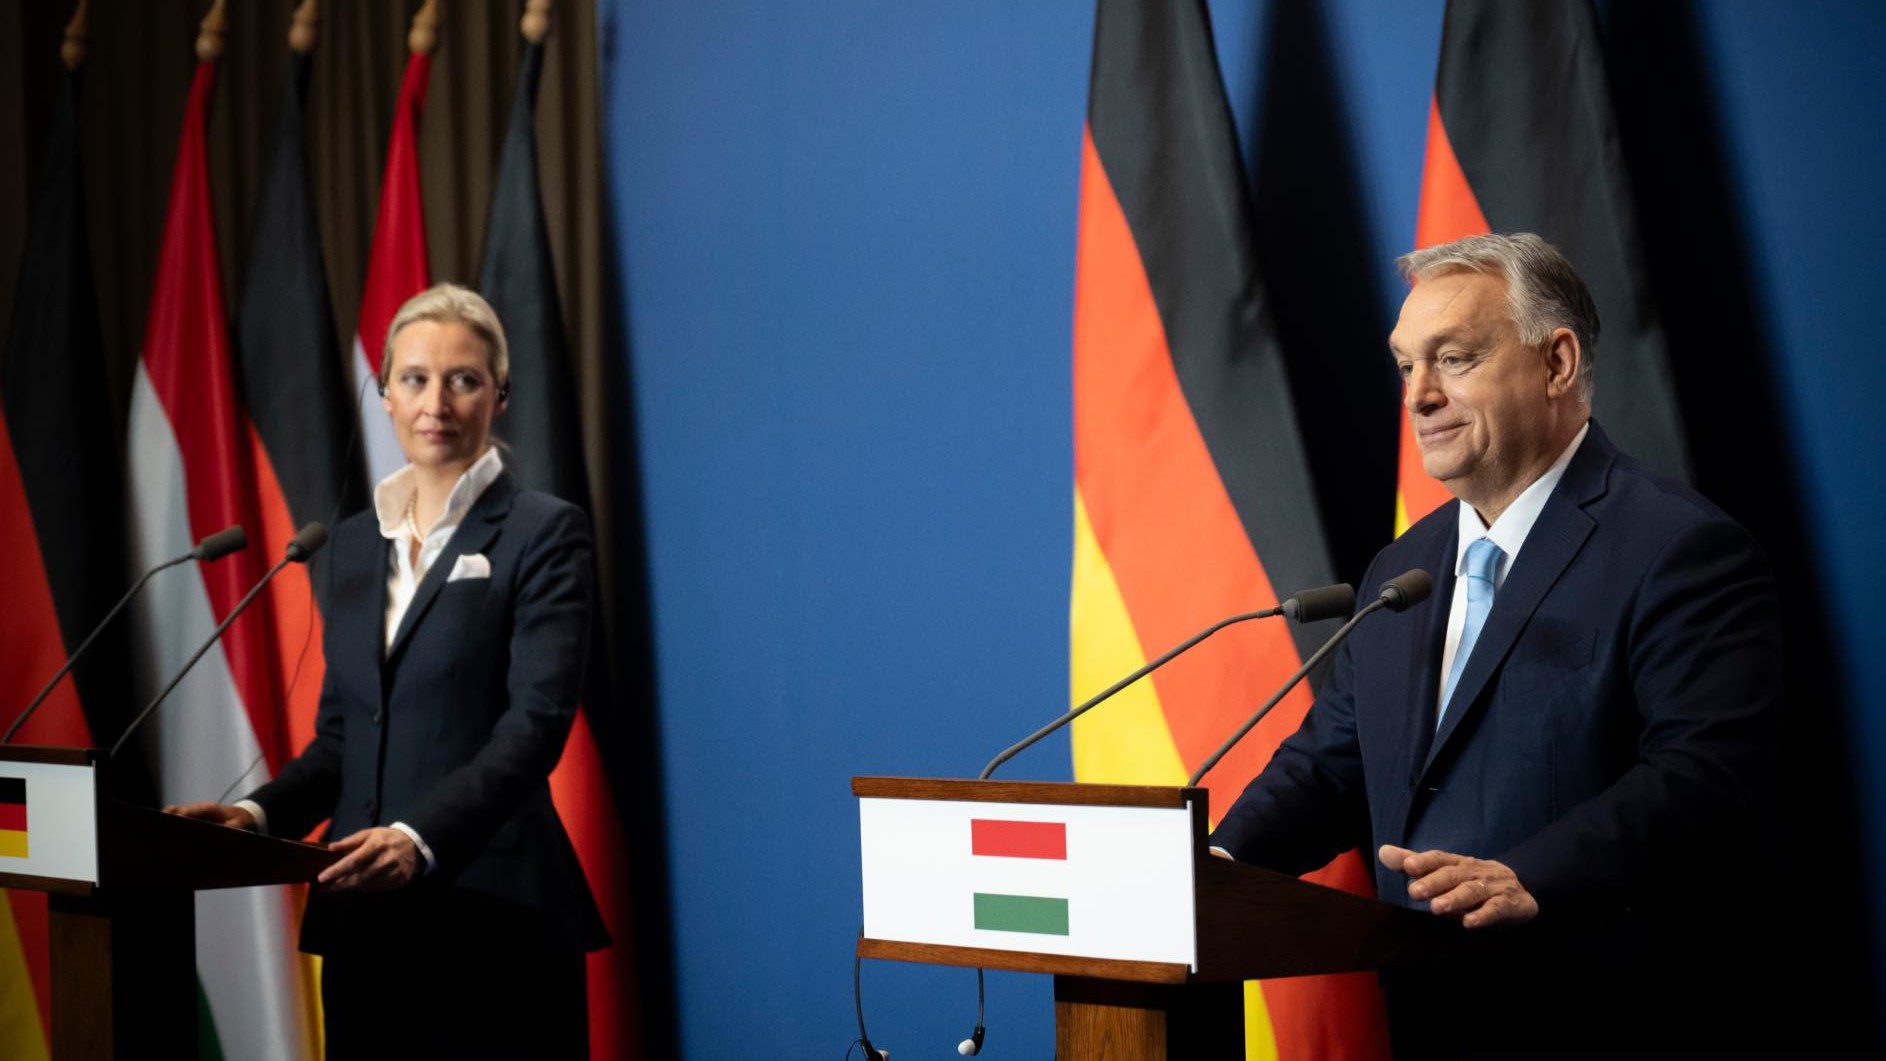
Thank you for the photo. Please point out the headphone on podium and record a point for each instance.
(969, 1047)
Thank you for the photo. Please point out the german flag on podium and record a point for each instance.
(13, 839)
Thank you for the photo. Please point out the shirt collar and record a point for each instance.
(395, 492)
(1510, 530)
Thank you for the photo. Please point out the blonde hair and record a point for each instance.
(443, 303)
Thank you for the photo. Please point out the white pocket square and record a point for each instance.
(471, 565)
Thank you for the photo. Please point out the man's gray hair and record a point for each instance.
(450, 303)
(1543, 291)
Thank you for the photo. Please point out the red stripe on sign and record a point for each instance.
(13, 816)
(989, 836)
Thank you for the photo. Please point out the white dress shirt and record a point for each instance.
(1508, 532)
(393, 501)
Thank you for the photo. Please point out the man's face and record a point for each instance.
(1480, 400)
(440, 394)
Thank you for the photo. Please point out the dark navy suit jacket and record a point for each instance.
(1616, 711)
(454, 729)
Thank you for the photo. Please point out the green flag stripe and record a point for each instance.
(1021, 913)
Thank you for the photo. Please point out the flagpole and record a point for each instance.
(424, 35)
(72, 50)
(304, 28)
(209, 37)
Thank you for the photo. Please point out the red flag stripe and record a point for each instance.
(1010, 839)
(580, 790)
(187, 359)
(398, 268)
(1448, 212)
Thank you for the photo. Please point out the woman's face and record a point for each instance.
(441, 395)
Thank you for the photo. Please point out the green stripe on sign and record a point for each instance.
(1021, 913)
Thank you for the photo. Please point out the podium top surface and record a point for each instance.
(1046, 792)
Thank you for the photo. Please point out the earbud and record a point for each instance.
(971, 1046)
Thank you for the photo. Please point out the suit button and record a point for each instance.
(378, 715)
(373, 808)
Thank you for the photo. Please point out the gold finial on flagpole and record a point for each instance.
(209, 36)
(536, 22)
(72, 51)
(425, 31)
(305, 29)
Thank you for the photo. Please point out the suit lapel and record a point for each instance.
(356, 599)
(1430, 633)
(1554, 540)
(474, 532)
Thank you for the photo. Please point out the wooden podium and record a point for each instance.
(1112, 890)
(121, 881)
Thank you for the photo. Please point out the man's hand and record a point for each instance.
(1479, 892)
(220, 813)
(378, 860)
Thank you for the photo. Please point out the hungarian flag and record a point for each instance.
(1192, 498)
(61, 542)
(542, 424)
(1522, 138)
(397, 267)
(196, 466)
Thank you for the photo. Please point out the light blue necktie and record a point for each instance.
(1483, 559)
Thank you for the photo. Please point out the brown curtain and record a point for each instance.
(137, 72)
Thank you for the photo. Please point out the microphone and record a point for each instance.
(306, 542)
(1406, 590)
(1308, 606)
(1400, 593)
(213, 547)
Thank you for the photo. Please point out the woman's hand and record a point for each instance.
(220, 813)
(378, 860)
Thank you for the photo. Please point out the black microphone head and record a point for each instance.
(1406, 590)
(308, 541)
(222, 543)
(1323, 602)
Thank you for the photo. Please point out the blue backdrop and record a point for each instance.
(845, 240)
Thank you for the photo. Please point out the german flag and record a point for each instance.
(1192, 497)
(60, 532)
(1522, 138)
(307, 454)
(543, 422)
(13, 817)
(305, 440)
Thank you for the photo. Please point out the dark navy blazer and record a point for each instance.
(454, 729)
(1616, 710)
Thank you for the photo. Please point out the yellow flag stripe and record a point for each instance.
(22, 1034)
(1127, 741)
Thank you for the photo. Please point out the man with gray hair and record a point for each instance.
(1585, 701)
